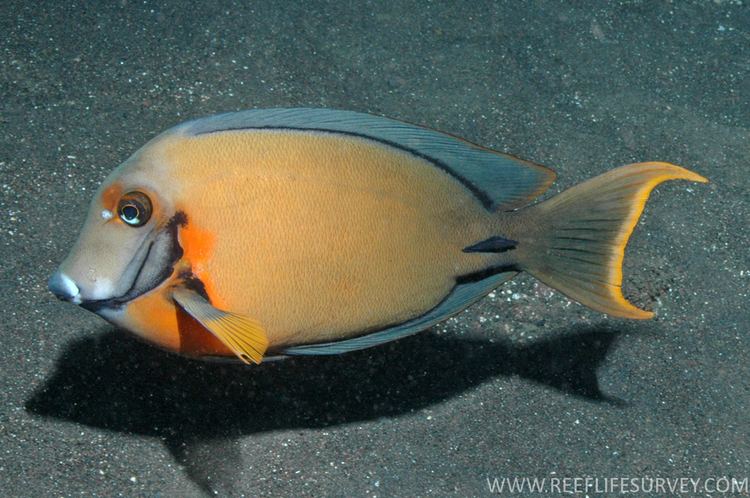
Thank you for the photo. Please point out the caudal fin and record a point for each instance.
(580, 237)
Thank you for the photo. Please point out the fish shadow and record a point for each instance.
(201, 410)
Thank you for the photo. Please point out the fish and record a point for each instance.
(271, 233)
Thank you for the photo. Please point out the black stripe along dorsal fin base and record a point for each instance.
(482, 196)
(499, 181)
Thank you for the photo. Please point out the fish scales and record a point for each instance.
(322, 236)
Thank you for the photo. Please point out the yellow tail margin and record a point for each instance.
(579, 245)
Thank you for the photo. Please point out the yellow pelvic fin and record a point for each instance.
(243, 336)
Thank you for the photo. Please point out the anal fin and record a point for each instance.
(242, 335)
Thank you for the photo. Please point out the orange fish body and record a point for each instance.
(315, 232)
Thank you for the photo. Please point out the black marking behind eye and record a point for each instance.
(179, 219)
(190, 281)
(176, 252)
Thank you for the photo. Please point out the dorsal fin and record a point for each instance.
(500, 181)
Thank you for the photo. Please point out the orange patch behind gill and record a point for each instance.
(158, 319)
(197, 246)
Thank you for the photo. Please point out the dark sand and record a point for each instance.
(523, 384)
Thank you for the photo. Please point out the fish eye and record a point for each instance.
(134, 209)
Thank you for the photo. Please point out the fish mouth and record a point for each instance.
(156, 267)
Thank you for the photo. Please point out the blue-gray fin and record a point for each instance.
(463, 295)
(500, 181)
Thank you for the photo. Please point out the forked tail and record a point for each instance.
(578, 239)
